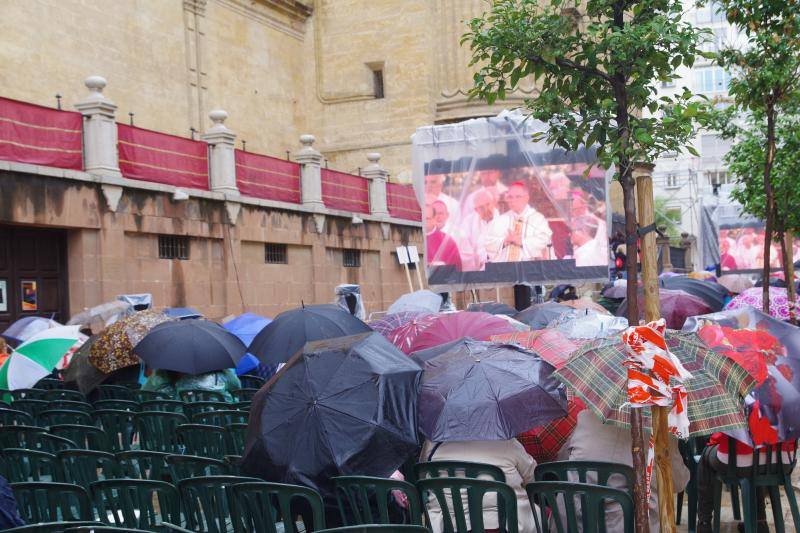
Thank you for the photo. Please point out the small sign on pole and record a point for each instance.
(403, 257)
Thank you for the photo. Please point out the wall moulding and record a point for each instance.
(287, 16)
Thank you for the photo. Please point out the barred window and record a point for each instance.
(276, 253)
(173, 247)
(351, 258)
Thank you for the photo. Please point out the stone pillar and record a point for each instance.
(99, 130)
(687, 242)
(221, 158)
(310, 173)
(377, 176)
(663, 244)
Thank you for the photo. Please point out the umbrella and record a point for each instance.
(778, 301)
(583, 303)
(552, 345)
(182, 313)
(38, 356)
(514, 323)
(344, 406)
(290, 330)
(422, 356)
(701, 275)
(451, 326)
(404, 335)
(114, 347)
(617, 291)
(544, 442)
(423, 301)
(598, 377)
(246, 326)
(538, 316)
(712, 293)
(493, 308)
(387, 323)
(735, 283)
(587, 324)
(24, 328)
(192, 346)
(487, 391)
(81, 372)
(675, 306)
(101, 316)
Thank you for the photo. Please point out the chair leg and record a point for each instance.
(790, 497)
(749, 504)
(777, 512)
(692, 508)
(737, 515)
(679, 508)
(717, 504)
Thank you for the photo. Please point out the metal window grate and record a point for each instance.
(276, 253)
(377, 83)
(351, 258)
(173, 247)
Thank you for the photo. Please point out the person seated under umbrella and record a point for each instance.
(170, 382)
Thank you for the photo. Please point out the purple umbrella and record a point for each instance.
(778, 301)
(387, 323)
(676, 307)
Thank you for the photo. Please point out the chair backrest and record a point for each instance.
(117, 405)
(31, 406)
(148, 395)
(434, 469)
(242, 406)
(54, 443)
(244, 395)
(85, 436)
(142, 464)
(20, 436)
(49, 383)
(202, 439)
(461, 502)
(251, 381)
(28, 394)
(189, 466)
(582, 504)
(15, 417)
(20, 465)
(365, 500)
(376, 528)
(201, 395)
(234, 463)
(118, 425)
(235, 435)
(208, 504)
(84, 467)
(261, 505)
(105, 529)
(222, 417)
(592, 472)
(131, 502)
(63, 394)
(53, 417)
(70, 405)
(52, 502)
(53, 527)
(168, 406)
(157, 430)
(191, 409)
(114, 392)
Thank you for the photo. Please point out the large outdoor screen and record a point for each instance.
(499, 209)
(742, 248)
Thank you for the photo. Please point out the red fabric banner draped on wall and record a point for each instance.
(40, 135)
(402, 202)
(152, 156)
(345, 191)
(267, 177)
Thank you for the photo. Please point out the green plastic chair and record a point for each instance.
(143, 464)
(208, 504)
(461, 499)
(157, 430)
(31, 406)
(251, 381)
(70, 405)
(114, 392)
(20, 436)
(142, 396)
(244, 395)
(164, 406)
(190, 409)
(85, 436)
(52, 502)
(202, 440)
(691, 450)
(435, 469)
(28, 394)
(591, 500)
(84, 467)
(234, 463)
(104, 529)
(242, 406)
(223, 417)
(20, 465)
(131, 502)
(15, 417)
(54, 443)
(376, 528)
(189, 466)
(118, 425)
(48, 384)
(64, 394)
(201, 395)
(51, 527)
(117, 405)
(600, 473)
(235, 436)
(365, 500)
(260, 506)
(53, 417)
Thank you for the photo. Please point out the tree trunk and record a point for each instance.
(770, 207)
(787, 239)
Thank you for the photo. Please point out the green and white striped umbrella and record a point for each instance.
(38, 356)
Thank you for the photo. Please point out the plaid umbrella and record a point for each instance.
(544, 442)
(113, 349)
(387, 323)
(715, 391)
(552, 345)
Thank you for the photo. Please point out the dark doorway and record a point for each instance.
(33, 274)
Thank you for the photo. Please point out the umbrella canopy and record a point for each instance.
(617, 291)
(404, 335)
(423, 301)
(182, 313)
(597, 375)
(101, 316)
(81, 372)
(246, 326)
(735, 283)
(387, 323)
(712, 293)
(702, 275)
(675, 306)
(552, 345)
(538, 316)
(38, 356)
(544, 442)
(114, 348)
(583, 303)
(28, 326)
(587, 324)
(778, 301)
(493, 308)
(192, 346)
(345, 406)
(514, 323)
(448, 327)
(487, 391)
(290, 330)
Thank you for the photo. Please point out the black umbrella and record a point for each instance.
(710, 292)
(191, 346)
(345, 406)
(538, 316)
(290, 330)
(493, 308)
(487, 391)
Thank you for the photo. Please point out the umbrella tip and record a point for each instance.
(302, 304)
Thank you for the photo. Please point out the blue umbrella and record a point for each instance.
(246, 326)
(26, 327)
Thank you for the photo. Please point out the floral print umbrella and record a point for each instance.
(778, 301)
(113, 349)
